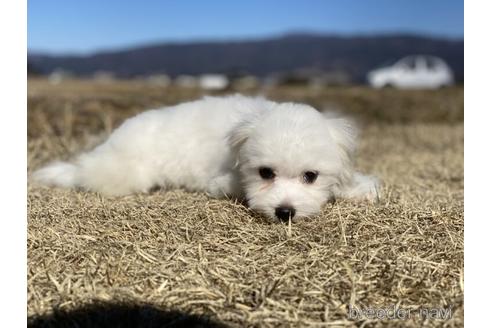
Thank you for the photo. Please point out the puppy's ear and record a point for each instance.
(344, 133)
(238, 136)
(241, 132)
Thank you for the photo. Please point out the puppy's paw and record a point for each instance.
(362, 188)
(372, 193)
(226, 185)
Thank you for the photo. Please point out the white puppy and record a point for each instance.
(285, 159)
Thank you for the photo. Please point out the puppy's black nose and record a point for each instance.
(283, 213)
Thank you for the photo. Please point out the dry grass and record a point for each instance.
(179, 251)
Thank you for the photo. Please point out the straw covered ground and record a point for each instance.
(184, 260)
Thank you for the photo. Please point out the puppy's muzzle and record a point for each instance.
(284, 213)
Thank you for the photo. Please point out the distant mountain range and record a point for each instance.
(353, 56)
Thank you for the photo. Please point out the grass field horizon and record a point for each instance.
(175, 256)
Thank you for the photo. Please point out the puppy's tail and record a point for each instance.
(61, 174)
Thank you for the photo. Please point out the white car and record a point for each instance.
(413, 72)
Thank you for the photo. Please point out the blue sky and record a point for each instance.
(85, 26)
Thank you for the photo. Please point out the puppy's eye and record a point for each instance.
(266, 173)
(310, 176)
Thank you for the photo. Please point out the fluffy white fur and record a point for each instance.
(217, 145)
